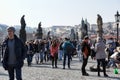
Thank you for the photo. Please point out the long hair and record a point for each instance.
(54, 43)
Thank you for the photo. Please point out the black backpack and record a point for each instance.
(68, 48)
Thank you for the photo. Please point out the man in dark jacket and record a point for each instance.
(14, 54)
(85, 48)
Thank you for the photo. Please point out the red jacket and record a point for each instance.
(54, 50)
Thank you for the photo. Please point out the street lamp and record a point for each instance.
(117, 20)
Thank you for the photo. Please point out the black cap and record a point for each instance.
(67, 39)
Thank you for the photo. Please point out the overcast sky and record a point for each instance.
(57, 12)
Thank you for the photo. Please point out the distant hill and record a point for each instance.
(62, 30)
(3, 28)
(28, 29)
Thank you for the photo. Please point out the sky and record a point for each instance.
(57, 12)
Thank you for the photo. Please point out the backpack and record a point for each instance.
(68, 47)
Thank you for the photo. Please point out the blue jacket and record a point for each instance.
(65, 45)
(19, 53)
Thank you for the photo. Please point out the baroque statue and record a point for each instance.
(99, 24)
(39, 33)
(22, 34)
(22, 21)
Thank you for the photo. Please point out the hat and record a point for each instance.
(118, 49)
(11, 28)
(86, 37)
(67, 39)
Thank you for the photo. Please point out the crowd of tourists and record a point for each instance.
(50, 50)
(14, 52)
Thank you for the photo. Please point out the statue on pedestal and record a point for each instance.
(22, 34)
(77, 37)
(39, 33)
(48, 35)
(99, 24)
(72, 34)
(84, 29)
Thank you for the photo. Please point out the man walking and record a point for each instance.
(14, 54)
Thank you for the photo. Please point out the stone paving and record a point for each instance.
(46, 72)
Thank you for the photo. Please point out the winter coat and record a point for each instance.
(54, 50)
(36, 48)
(20, 52)
(85, 48)
(100, 50)
(68, 48)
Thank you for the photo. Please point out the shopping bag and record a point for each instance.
(115, 71)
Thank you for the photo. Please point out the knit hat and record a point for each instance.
(11, 28)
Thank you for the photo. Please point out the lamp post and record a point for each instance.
(117, 20)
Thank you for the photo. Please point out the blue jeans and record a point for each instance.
(29, 57)
(64, 60)
(60, 54)
(112, 62)
(18, 71)
(41, 56)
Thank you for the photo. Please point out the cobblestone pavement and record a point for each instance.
(45, 72)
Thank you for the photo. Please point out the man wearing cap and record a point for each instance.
(14, 54)
(85, 48)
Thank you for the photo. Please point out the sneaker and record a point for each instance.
(99, 75)
(55, 66)
(85, 74)
(63, 67)
(36, 62)
(106, 75)
(69, 67)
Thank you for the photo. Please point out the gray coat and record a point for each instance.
(100, 50)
